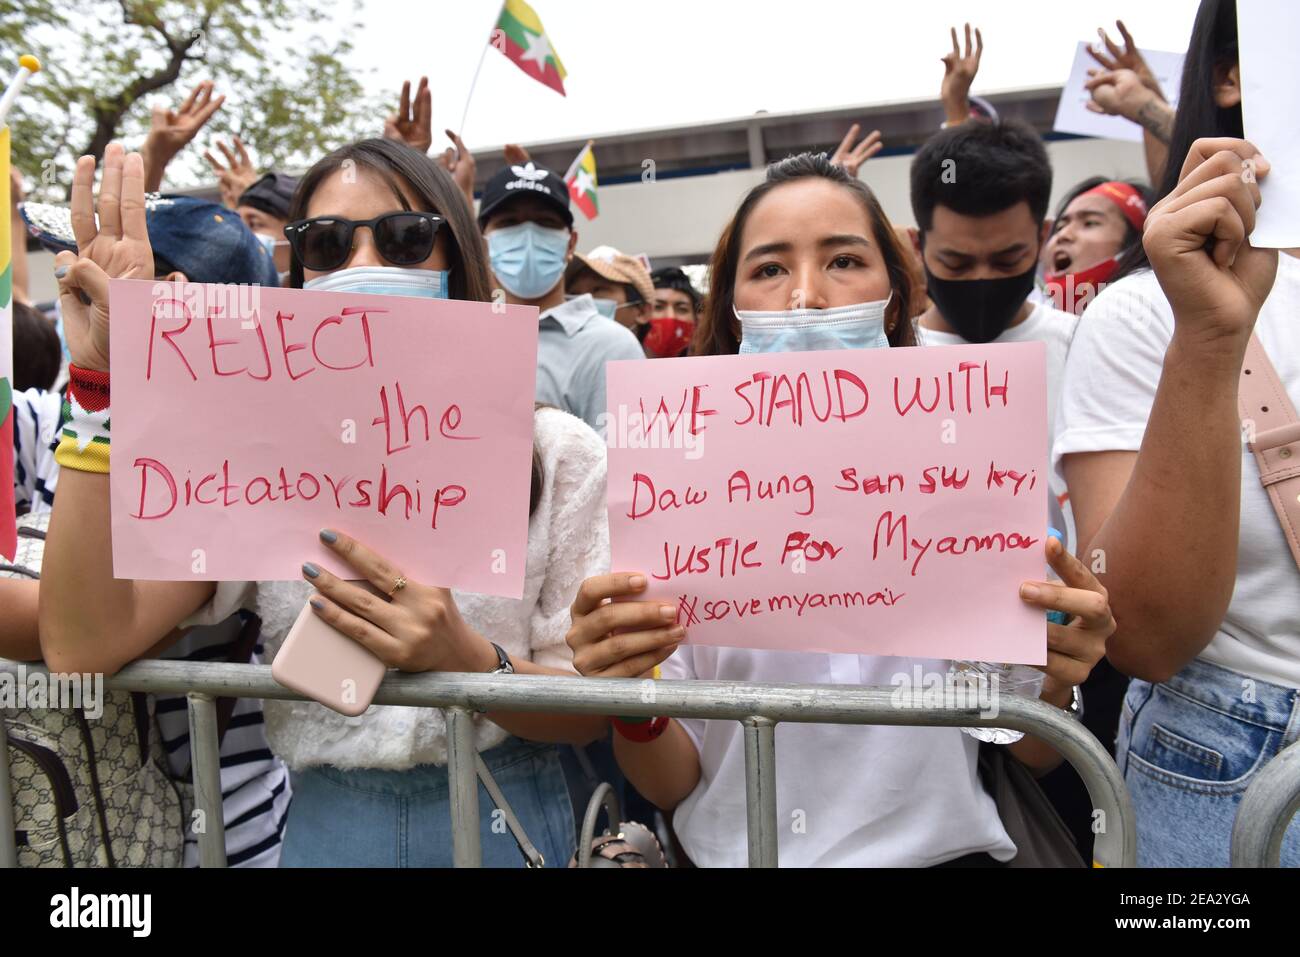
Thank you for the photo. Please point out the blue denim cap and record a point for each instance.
(204, 240)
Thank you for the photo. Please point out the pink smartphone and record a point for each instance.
(322, 663)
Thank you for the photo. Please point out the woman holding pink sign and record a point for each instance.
(811, 262)
(369, 790)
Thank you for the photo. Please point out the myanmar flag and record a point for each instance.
(8, 533)
(520, 36)
(581, 178)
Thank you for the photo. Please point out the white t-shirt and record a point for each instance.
(1110, 386)
(846, 795)
(1056, 328)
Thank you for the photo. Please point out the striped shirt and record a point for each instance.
(255, 788)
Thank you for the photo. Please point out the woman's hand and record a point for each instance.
(1129, 58)
(459, 162)
(1073, 650)
(171, 130)
(417, 628)
(852, 157)
(620, 639)
(1197, 241)
(412, 124)
(118, 248)
(959, 71)
(236, 177)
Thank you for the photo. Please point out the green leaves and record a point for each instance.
(292, 94)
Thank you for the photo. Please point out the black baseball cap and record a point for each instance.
(271, 194)
(526, 180)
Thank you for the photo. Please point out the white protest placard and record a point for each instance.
(1270, 106)
(1073, 115)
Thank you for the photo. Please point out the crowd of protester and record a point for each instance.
(1175, 589)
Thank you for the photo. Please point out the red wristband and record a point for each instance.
(89, 387)
(643, 732)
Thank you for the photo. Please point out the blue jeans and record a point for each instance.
(373, 818)
(1189, 748)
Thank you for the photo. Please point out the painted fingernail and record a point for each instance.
(310, 570)
(61, 272)
(637, 582)
(1029, 592)
(316, 603)
(328, 536)
(85, 299)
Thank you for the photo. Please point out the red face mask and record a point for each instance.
(1071, 292)
(668, 338)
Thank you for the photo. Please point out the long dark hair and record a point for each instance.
(1211, 53)
(468, 277)
(715, 333)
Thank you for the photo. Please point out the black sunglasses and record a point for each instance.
(324, 243)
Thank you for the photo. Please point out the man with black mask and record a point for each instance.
(980, 193)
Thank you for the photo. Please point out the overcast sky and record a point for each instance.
(634, 65)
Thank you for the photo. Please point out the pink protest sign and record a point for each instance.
(880, 501)
(246, 419)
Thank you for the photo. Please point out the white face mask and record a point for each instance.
(384, 281)
(860, 326)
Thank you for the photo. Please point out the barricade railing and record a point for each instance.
(758, 707)
(1266, 810)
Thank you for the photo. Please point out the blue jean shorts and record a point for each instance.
(1189, 748)
(374, 818)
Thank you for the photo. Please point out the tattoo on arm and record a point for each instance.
(1157, 119)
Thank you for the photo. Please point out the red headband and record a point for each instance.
(1131, 205)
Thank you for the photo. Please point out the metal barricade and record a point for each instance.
(1266, 810)
(759, 707)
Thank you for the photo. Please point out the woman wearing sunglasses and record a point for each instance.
(810, 262)
(374, 217)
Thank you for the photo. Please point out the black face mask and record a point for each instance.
(980, 309)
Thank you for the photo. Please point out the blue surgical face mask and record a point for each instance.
(528, 259)
(384, 281)
(268, 243)
(606, 307)
(860, 326)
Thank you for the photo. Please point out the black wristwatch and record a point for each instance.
(504, 667)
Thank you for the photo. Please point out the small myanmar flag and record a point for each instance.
(521, 37)
(581, 178)
(8, 532)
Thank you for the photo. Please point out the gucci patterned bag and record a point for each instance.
(88, 791)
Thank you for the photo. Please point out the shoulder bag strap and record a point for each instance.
(1269, 417)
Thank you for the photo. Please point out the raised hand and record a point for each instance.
(959, 70)
(236, 177)
(412, 123)
(117, 248)
(1128, 58)
(852, 157)
(171, 130)
(515, 154)
(459, 162)
(1197, 239)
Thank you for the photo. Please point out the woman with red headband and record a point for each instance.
(1095, 224)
